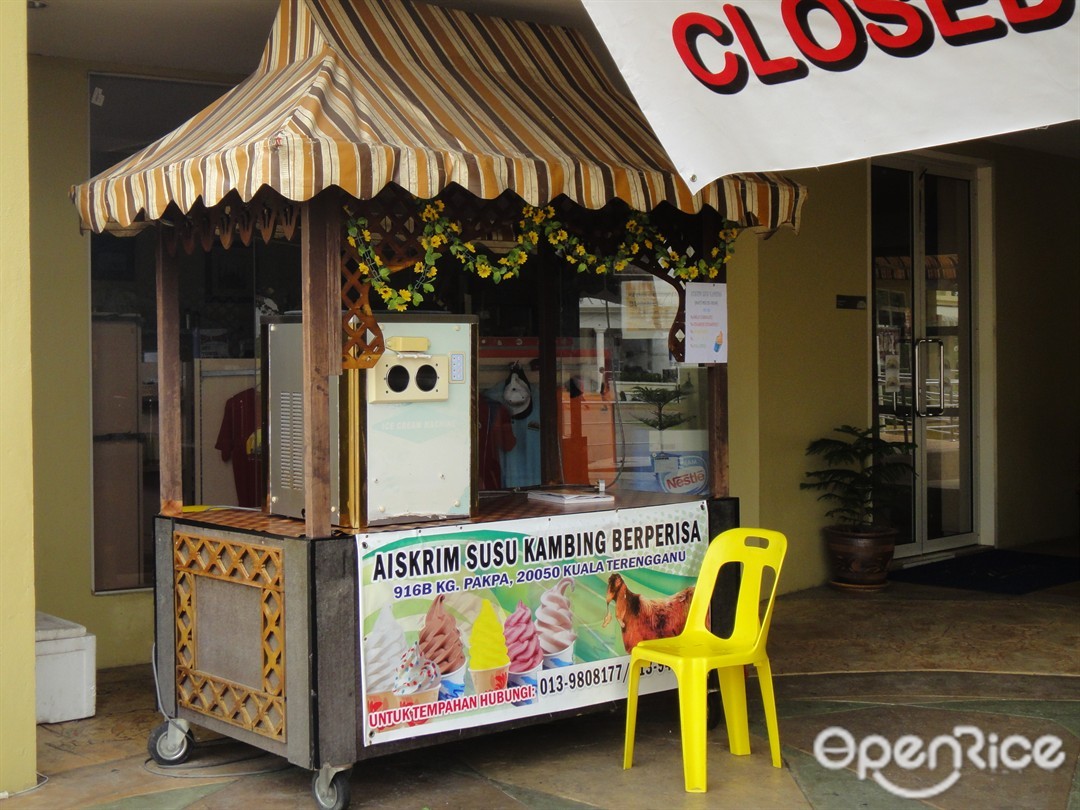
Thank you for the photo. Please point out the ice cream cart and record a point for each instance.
(332, 651)
(378, 600)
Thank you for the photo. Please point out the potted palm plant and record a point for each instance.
(861, 481)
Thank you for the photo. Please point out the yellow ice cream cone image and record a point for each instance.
(489, 660)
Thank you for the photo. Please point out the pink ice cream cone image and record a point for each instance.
(555, 623)
(523, 645)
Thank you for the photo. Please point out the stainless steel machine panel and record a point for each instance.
(285, 424)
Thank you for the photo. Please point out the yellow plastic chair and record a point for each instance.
(696, 651)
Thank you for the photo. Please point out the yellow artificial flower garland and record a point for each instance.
(442, 235)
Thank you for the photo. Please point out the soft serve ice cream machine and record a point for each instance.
(402, 432)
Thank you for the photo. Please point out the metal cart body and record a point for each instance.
(259, 632)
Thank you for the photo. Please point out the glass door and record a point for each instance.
(921, 241)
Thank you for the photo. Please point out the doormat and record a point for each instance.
(994, 571)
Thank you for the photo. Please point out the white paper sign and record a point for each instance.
(648, 307)
(766, 85)
(706, 323)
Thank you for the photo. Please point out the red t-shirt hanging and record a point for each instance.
(238, 424)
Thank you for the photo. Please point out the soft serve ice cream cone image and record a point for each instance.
(489, 660)
(416, 680)
(523, 646)
(382, 651)
(440, 641)
(555, 623)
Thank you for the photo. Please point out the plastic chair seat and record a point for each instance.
(696, 644)
(696, 651)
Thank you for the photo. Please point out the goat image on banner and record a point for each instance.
(468, 625)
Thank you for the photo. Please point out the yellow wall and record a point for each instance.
(813, 358)
(744, 390)
(17, 714)
(1037, 250)
(122, 623)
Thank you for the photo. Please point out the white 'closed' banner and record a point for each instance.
(766, 85)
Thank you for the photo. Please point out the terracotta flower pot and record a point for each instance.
(859, 557)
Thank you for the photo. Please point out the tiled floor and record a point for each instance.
(910, 660)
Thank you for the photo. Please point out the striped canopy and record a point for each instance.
(362, 93)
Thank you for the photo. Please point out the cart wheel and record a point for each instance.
(166, 752)
(714, 706)
(336, 794)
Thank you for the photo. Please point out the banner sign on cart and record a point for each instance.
(767, 85)
(473, 624)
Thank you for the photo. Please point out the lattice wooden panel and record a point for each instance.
(362, 343)
(260, 710)
(483, 219)
(233, 703)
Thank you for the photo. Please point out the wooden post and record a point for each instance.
(717, 378)
(548, 331)
(171, 486)
(320, 229)
(716, 381)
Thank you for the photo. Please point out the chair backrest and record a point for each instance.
(758, 551)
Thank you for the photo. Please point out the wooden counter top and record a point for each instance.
(493, 507)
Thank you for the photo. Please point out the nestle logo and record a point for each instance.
(684, 479)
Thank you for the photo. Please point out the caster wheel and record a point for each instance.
(336, 795)
(166, 752)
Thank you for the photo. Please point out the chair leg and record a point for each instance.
(768, 700)
(693, 716)
(733, 693)
(634, 674)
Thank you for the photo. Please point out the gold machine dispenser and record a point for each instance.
(403, 433)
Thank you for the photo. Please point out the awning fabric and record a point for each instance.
(362, 93)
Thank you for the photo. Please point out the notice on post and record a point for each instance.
(706, 323)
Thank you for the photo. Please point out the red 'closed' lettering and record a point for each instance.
(685, 32)
(845, 54)
(769, 71)
(957, 30)
(915, 34)
(895, 26)
(1025, 17)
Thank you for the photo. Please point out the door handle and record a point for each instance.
(922, 407)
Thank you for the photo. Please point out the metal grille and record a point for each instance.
(292, 440)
